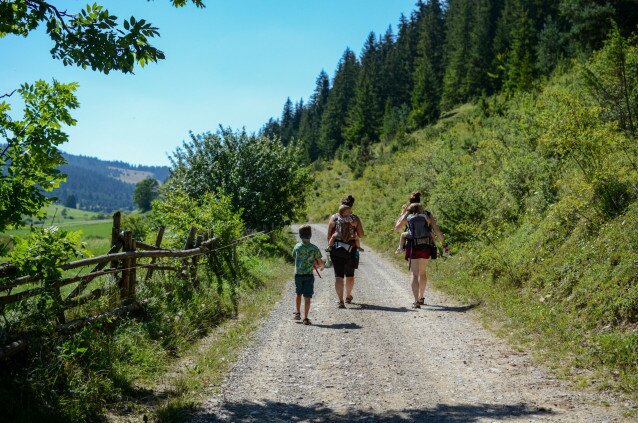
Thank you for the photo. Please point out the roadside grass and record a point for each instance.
(551, 274)
(211, 361)
(132, 366)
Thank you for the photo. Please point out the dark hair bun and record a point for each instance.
(415, 197)
(348, 200)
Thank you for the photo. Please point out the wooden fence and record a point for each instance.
(122, 263)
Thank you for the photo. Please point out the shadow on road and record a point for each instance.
(339, 326)
(453, 309)
(374, 307)
(280, 412)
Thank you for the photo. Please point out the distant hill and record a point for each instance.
(101, 185)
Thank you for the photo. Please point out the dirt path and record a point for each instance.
(380, 360)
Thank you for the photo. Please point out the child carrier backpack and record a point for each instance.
(346, 232)
(419, 229)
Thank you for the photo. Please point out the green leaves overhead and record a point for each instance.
(29, 156)
(90, 38)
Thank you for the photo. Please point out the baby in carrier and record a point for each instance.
(415, 197)
(345, 228)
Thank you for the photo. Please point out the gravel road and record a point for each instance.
(380, 360)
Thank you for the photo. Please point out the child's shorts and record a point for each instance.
(305, 285)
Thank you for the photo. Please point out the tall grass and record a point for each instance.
(523, 188)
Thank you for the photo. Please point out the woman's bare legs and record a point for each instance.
(339, 288)
(349, 286)
(419, 277)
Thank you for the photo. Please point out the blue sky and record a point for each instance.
(232, 63)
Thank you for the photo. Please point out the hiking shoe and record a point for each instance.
(348, 299)
(297, 316)
(307, 321)
(416, 305)
(341, 305)
(422, 300)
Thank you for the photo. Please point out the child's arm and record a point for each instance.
(319, 262)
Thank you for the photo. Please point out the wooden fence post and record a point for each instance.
(132, 276)
(194, 260)
(57, 296)
(158, 242)
(115, 232)
(189, 243)
(126, 263)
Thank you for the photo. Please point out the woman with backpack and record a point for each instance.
(420, 246)
(344, 253)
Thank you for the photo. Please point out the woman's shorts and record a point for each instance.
(344, 266)
(419, 252)
(305, 285)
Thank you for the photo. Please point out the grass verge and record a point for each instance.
(210, 361)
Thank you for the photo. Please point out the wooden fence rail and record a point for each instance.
(122, 266)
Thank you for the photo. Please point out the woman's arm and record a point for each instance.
(360, 232)
(435, 228)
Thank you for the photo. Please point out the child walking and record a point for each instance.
(307, 256)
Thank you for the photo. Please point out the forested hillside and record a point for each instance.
(517, 121)
(443, 55)
(99, 185)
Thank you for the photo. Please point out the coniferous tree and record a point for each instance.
(550, 49)
(588, 23)
(428, 74)
(271, 129)
(310, 122)
(404, 61)
(287, 126)
(334, 117)
(387, 65)
(296, 117)
(457, 49)
(364, 117)
(483, 15)
(519, 65)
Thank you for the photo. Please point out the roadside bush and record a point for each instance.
(41, 254)
(139, 224)
(210, 213)
(265, 180)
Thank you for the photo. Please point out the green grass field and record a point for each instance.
(95, 227)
